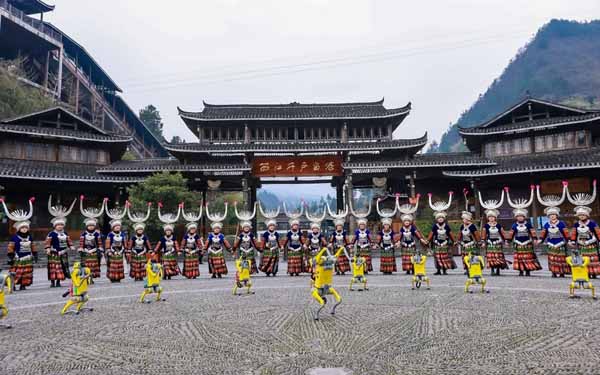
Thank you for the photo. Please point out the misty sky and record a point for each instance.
(440, 55)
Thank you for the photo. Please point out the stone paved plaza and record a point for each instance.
(525, 325)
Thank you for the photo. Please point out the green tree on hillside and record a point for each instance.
(150, 116)
(16, 98)
(561, 63)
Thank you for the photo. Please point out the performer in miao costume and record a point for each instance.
(245, 242)
(468, 235)
(115, 245)
(315, 240)
(216, 243)
(81, 277)
(492, 236)
(167, 246)
(294, 242)
(555, 233)
(6, 287)
(409, 234)
(523, 235)
(269, 262)
(585, 233)
(90, 240)
(58, 244)
(362, 236)
(386, 239)
(192, 244)
(580, 271)
(440, 237)
(339, 239)
(21, 251)
(324, 264)
(139, 245)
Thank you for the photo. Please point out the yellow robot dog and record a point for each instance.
(420, 273)
(81, 278)
(359, 266)
(154, 274)
(6, 282)
(579, 273)
(323, 284)
(242, 277)
(475, 265)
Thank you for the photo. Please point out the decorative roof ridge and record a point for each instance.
(293, 104)
(59, 108)
(552, 121)
(524, 100)
(62, 133)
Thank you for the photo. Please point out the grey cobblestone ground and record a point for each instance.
(525, 325)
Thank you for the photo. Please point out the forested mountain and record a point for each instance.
(561, 63)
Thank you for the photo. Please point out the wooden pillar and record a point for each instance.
(412, 186)
(350, 195)
(475, 190)
(203, 221)
(60, 73)
(76, 94)
(46, 69)
(339, 194)
(252, 202)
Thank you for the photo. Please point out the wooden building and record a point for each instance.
(47, 58)
(56, 152)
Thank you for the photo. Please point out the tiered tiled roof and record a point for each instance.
(55, 171)
(516, 127)
(294, 111)
(369, 146)
(442, 160)
(65, 134)
(535, 163)
(168, 164)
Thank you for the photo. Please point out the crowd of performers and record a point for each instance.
(300, 247)
(304, 250)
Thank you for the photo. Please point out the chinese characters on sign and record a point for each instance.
(297, 166)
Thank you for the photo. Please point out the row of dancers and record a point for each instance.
(299, 246)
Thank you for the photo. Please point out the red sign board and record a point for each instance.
(290, 166)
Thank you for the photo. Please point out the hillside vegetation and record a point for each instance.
(561, 63)
(17, 98)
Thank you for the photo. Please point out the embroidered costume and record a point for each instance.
(269, 261)
(294, 242)
(386, 239)
(115, 246)
(362, 236)
(192, 245)
(215, 244)
(409, 234)
(585, 233)
(523, 234)
(339, 239)
(138, 246)
(58, 243)
(440, 237)
(21, 250)
(245, 243)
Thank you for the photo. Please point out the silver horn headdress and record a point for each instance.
(116, 215)
(360, 216)
(552, 202)
(339, 217)
(169, 219)
(386, 214)
(439, 207)
(59, 211)
(491, 206)
(270, 215)
(91, 214)
(20, 217)
(245, 217)
(138, 218)
(216, 219)
(315, 221)
(582, 200)
(521, 204)
(192, 218)
(408, 209)
(294, 217)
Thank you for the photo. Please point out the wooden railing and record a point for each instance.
(36, 24)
